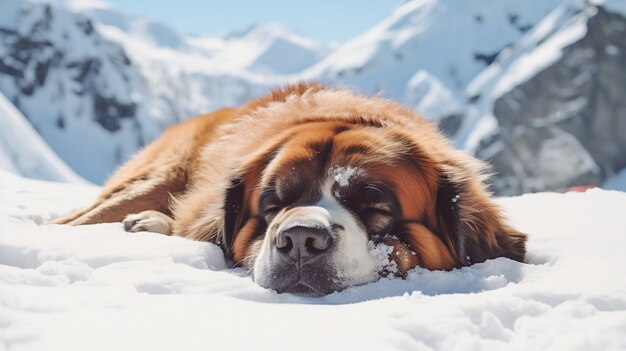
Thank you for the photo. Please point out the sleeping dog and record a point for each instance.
(300, 185)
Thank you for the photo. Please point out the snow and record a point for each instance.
(450, 40)
(381, 253)
(409, 56)
(95, 55)
(541, 47)
(537, 50)
(99, 288)
(430, 97)
(424, 54)
(250, 54)
(61, 108)
(23, 151)
(342, 175)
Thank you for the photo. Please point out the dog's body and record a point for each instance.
(299, 185)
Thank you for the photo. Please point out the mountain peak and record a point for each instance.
(261, 28)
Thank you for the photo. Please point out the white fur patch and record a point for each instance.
(353, 262)
(316, 217)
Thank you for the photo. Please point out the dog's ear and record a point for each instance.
(469, 222)
(235, 213)
(240, 205)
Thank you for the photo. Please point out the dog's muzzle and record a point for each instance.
(302, 255)
(314, 250)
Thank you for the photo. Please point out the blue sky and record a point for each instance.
(323, 20)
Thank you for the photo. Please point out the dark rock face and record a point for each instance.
(565, 126)
(109, 111)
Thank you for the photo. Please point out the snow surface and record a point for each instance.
(24, 152)
(99, 288)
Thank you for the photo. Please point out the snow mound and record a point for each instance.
(99, 288)
(23, 151)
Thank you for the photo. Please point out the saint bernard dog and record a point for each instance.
(304, 186)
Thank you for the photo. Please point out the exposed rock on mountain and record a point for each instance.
(566, 124)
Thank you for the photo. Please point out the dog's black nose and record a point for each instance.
(303, 243)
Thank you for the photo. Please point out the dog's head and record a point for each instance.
(328, 204)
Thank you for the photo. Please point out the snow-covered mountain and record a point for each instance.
(23, 151)
(77, 88)
(431, 44)
(98, 83)
(550, 113)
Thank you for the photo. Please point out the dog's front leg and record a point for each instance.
(148, 221)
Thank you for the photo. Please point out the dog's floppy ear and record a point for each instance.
(469, 222)
(235, 213)
(240, 204)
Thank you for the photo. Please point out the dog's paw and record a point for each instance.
(148, 221)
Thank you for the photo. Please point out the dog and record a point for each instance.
(304, 186)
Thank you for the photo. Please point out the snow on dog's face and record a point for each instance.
(328, 205)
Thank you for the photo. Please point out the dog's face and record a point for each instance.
(321, 227)
(319, 200)
(313, 211)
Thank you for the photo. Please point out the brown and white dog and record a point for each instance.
(299, 186)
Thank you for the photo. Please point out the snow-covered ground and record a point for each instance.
(99, 288)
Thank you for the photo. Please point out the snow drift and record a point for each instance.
(23, 151)
(99, 288)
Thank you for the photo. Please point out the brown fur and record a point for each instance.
(190, 172)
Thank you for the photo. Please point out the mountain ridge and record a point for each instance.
(99, 84)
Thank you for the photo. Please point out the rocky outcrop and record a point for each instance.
(566, 125)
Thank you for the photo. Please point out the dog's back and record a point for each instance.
(161, 170)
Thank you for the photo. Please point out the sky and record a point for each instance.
(323, 20)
